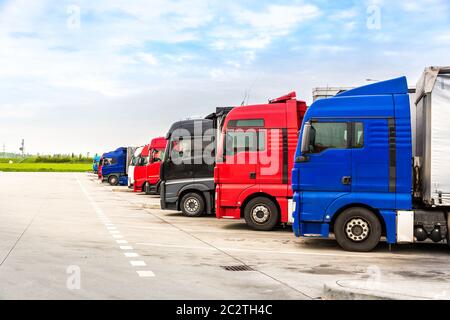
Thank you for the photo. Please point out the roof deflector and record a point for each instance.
(285, 98)
(394, 86)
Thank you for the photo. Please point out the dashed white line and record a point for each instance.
(116, 235)
(131, 254)
(138, 263)
(145, 274)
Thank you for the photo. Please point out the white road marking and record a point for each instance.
(145, 274)
(116, 234)
(126, 247)
(138, 263)
(131, 254)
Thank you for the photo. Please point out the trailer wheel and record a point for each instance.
(192, 205)
(261, 214)
(113, 180)
(357, 229)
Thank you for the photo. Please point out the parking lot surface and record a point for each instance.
(66, 236)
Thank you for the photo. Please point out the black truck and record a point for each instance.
(187, 171)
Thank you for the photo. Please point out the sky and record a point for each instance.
(90, 76)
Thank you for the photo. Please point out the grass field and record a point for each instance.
(45, 167)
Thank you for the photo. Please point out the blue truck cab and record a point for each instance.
(353, 171)
(115, 166)
(370, 164)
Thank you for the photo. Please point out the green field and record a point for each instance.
(45, 167)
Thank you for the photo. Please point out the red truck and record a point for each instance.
(255, 157)
(146, 172)
(99, 170)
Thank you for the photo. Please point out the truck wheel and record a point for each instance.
(113, 180)
(261, 214)
(192, 205)
(357, 229)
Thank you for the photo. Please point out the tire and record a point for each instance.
(144, 188)
(113, 180)
(261, 214)
(192, 204)
(357, 229)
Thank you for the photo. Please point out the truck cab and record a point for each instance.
(100, 165)
(187, 170)
(147, 173)
(353, 171)
(254, 158)
(95, 163)
(132, 166)
(115, 166)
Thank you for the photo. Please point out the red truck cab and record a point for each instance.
(100, 165)
(146, 173)
(255, 157)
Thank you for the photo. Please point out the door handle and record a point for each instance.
(301, 159)
(346, 180)
(253, 175)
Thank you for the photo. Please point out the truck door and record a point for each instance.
(240, 157)
(326, 169)
(152, 169)
(179, 164)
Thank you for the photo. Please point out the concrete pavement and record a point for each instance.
(65, 236)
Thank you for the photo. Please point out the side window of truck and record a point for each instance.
(182, 149)
(358, 135)
(328, 135)
(157, 155)
(240, 140)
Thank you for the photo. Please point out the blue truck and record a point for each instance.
(370, 164)
(115, 166)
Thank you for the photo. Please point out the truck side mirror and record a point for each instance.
(306, 137)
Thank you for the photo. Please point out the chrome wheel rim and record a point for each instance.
(192, 205)
(260, 214)
(357, 229)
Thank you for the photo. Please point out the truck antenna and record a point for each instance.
(247, 94)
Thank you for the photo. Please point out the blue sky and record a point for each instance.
(80, 76)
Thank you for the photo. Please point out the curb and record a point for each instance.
(334, 291)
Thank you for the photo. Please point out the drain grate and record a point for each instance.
(238, 268)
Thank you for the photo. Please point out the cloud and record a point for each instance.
(258, 29)
(150, 55)
(147, 58)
